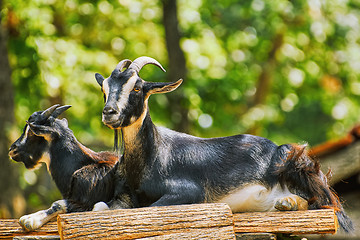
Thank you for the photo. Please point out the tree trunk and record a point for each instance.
(264, 81)
(177, 63)
(8, 175)
(265, 78)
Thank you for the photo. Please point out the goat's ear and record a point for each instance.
(99, 78)
(40, 130)
(161, 87)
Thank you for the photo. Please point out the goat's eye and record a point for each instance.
(136, 89)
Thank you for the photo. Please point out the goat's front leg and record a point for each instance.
(34, 221)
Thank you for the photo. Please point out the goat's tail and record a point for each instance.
(302, 174)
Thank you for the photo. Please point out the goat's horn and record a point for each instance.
(60, 110)
(46, 113)
(140, 62)
(122, 64)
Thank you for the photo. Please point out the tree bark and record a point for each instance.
(8, 175)
(177, 63)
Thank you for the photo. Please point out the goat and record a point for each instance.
(165, 167)
(86, 179)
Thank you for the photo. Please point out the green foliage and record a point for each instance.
(306, 51)
(305, 48)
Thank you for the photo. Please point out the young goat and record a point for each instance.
(85, 178)
(247, 172)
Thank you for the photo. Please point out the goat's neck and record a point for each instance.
(139, 143)
(66, 156)
(139, 135)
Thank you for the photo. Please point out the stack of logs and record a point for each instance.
(197, 221)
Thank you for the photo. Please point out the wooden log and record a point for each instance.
(342, 156)
(204, 221)
(343, 163)
(10, 228)
(146, 222)
(292, 222)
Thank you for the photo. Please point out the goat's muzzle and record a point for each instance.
(13, 153)
(111, 117)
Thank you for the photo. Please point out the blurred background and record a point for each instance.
(285, 70)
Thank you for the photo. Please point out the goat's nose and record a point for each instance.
(13, 150)
(109, 110)
(12, 147)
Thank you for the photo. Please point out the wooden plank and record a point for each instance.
(10, 228)
(209, 233)
(292, 222)
(144, 222)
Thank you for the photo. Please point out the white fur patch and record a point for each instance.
(255, 197)
(23, 140)
(100, 206)
(105, 86)
(125, 92)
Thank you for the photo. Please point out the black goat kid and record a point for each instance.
(165, 167)
(86, 179)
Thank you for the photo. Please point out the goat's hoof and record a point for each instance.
(291, 203)
(29, 223)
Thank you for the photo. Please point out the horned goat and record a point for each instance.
(165, 167)
(86, 179)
